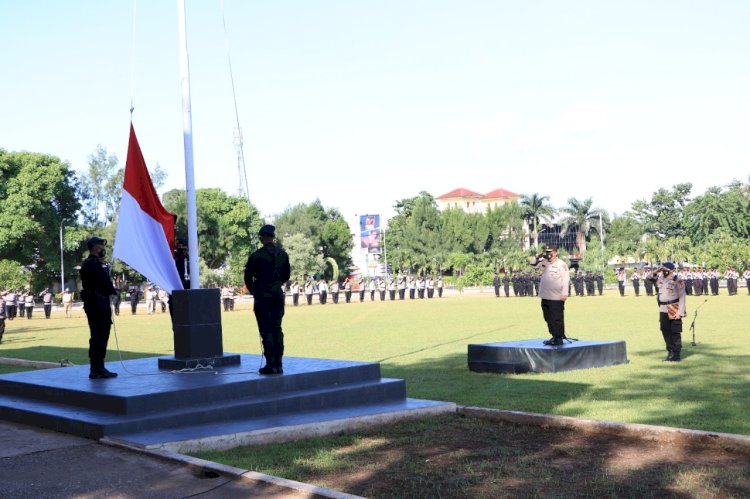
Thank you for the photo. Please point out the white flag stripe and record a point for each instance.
(140, 243)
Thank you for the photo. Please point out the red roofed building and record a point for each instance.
(474, 202)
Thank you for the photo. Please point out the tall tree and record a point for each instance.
(304, 258)
(663, 215)
(325, 228)
(226, 224)
(582, 216)
(535, 211)
(100, 188)
(718, 209)
(37, 194)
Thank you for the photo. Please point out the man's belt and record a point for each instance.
(668, 302)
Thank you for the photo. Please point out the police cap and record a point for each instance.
(267, 230)
(668, 265)
(93, 241)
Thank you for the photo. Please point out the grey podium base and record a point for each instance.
(515, 357)
(149, 407)
(176, 364)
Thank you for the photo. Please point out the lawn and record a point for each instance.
(425, 343)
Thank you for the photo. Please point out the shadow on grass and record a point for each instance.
(708, 390)
(453, 456)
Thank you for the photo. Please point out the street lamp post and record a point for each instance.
(62, 259)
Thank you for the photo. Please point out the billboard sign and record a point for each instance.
(369, 232)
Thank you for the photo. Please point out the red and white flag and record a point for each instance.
(145, 229)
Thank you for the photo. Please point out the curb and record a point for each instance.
(36, 364)
(245, 476)
(663, 434)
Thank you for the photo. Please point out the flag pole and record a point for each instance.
(187, 133)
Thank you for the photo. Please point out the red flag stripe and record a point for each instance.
(138, 184)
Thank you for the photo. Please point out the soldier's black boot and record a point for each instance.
(278, 365)
(675, 357)
(270, 367)
(98, 371)
(668, 357)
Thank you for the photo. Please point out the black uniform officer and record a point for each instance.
(97, 288)
(266, 271)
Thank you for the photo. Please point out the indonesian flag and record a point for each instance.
(145, 229)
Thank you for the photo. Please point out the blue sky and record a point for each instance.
(360, 103)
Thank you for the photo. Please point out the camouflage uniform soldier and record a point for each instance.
(266, 272)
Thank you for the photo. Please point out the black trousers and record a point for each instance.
(637, 288)
(671, 330)
(295, 299)
(554, 315)
(309, 299)
(269, 313)
(347, 296)
(621, 286)
(47, 310)
(362, 296)
(100, 323)
(2, 328)
(133, 306)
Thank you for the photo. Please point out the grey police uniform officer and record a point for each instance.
(670, 292)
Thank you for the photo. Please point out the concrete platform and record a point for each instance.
(150, 408)
(515, 357)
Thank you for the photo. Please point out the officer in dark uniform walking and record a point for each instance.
(97, 288)
(266, 271)
(496, 284)
(506, 284)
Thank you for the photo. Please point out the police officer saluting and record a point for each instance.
(97, 288)
(670, 292)
(266, 271)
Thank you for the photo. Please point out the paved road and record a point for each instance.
(40, 464)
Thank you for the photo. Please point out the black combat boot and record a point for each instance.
(270, 367)
(98, 371)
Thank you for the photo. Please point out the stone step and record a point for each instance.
(141, 388)
(96, 424)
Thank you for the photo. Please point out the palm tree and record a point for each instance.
(535, 211)
(581, 215)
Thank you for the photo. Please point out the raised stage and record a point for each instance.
(148, 407)
(524, 356)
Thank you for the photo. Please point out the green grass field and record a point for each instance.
(425, 343)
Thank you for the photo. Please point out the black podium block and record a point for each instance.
(196, 324)
(517, 357)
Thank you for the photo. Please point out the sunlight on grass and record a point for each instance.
(425, 342)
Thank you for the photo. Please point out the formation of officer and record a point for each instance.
(97, 288)
(266, 272)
